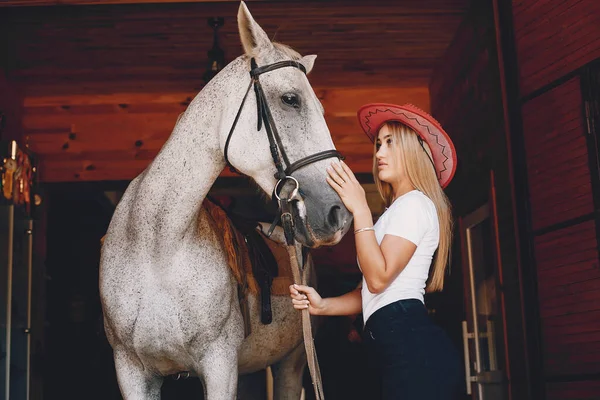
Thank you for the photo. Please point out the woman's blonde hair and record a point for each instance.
(418, 167)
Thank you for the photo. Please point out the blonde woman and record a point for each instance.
(402, 256)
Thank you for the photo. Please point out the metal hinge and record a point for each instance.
(588, 117)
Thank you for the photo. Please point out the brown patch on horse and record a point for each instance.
(238, 255)
(283, 280)
(235, 247)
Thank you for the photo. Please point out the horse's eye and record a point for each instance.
(291, 99)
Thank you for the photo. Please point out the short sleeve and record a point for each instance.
(408, 219)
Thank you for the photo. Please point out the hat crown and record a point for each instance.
(373, 116)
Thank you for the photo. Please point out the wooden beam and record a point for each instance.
(344, 102)
(428, 7)
(125, 170)
(112, 47)
(333, 98)
(95, 137)
(31, 3)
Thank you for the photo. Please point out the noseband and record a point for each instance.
(265, 116)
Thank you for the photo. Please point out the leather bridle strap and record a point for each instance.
(311, 159)
(235, 121)
(284, 175)
(299, 275)
(264, 116)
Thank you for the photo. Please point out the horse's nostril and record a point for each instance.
(333, 218)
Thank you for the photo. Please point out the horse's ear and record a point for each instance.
(308, 62)
(254, 39)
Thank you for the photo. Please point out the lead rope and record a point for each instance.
(299, 276)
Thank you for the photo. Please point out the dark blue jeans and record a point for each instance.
(410, 357)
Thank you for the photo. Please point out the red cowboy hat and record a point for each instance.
(373, 116)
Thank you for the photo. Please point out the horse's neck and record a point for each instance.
(171, 190)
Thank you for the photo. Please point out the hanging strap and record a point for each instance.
(299, 277)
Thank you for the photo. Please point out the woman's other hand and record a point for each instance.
(342, 180)
(304, 297)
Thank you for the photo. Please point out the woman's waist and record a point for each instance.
(401, 288)
(407, 311)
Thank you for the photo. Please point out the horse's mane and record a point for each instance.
(287, 51)
(283, 50)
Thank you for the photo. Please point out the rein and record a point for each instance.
(283, 175)
(298, 274)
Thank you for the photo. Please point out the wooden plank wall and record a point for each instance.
(466, 99)
(565, 234)
(560, 186)
(553, 41)
(573, 390)
(553, 38)
(93, 137)
(11, 106)
(104, 84)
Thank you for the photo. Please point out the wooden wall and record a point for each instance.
(94, 137)
(103, 84)
(100, 88)
(557, 154)
(466, 98)
(554, 40)
(11, 108)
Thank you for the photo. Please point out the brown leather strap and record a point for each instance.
(309, 344)
(276, 148)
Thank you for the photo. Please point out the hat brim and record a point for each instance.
(373, 116)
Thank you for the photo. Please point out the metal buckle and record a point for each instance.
(294, 192)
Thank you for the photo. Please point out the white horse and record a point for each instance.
(169, 299)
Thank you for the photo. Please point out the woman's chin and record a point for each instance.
(383, 176)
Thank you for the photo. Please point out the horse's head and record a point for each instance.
(320, 217)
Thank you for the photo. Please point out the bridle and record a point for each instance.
(283, 175)
(265, 116)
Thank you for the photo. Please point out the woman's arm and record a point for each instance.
(380, 265)
(306, 297)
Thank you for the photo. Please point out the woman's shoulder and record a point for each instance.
(414, 203)
(411, 216)
(413, 199)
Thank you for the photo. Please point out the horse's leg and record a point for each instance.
(287, 375)
(135, 382)
(219, 371)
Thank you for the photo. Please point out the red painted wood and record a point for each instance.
(557, 156)
(569, 299)
(554, 38)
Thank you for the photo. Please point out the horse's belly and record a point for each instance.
(267, 344)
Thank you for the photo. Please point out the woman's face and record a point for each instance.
(388, 167)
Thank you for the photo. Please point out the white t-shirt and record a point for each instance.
(411, 216)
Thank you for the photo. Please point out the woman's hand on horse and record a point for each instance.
(305, 297)
(342, 180)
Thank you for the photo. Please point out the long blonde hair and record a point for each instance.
(418, 168)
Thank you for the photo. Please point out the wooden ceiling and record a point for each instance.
(103, 84)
